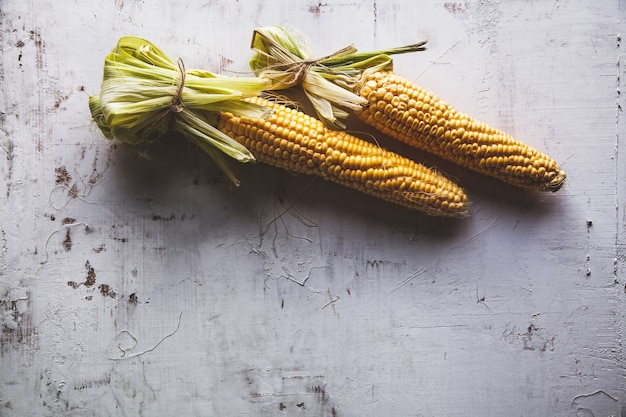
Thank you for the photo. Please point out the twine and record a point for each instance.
(301, 67)
(177, 101)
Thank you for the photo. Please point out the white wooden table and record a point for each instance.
(137, 281)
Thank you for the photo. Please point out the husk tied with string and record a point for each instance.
(328, 82)
(144, 95)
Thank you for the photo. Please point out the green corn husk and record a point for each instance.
(144, 95)
(328, 82)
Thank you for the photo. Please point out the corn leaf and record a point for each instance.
(329, 82)
(144, 94)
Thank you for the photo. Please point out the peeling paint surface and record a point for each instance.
(137, 281)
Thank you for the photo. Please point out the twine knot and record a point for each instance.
(177, 101)
(299, 68)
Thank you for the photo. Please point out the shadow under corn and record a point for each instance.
(165, 173)
(173, 170)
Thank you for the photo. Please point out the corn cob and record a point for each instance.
(297, 142)
(144, 94)
(407, 112)
(403, 110)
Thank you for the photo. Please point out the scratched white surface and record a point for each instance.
(137, 281)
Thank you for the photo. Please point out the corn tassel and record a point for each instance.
(302, 144)
(405, 111)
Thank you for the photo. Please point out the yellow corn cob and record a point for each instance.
(404, 111)
(398, 107)
(297, 142)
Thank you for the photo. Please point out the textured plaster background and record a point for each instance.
(136, 281)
